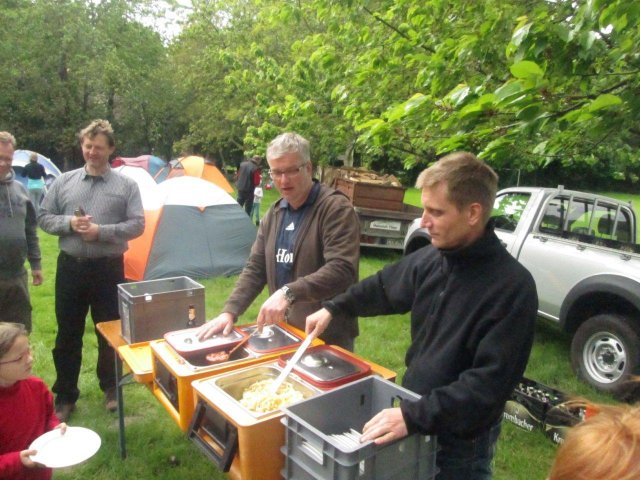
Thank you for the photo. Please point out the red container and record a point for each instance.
(185, 342)
(326, 367)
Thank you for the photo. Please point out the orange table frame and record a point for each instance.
(137, 358)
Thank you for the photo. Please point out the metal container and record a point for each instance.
(244, 443)
(173, 373)
(152, 308)
(186, 344)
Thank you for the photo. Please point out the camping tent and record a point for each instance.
(21, 158)
(150, 163)
(194, 166)
(192, 228)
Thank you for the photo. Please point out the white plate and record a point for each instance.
(56, 450)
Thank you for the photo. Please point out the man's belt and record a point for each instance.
(89, 260)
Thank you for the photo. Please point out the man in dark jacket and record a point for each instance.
(307, 249)
(473, 309)
(246, 182)
(18, 241)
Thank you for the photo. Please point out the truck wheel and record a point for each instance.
(605, 350)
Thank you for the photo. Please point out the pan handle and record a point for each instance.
(228, 447)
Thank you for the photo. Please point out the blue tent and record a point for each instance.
(21, 158)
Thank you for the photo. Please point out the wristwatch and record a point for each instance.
(288, 294)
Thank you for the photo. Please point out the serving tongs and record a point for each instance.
(273, 388)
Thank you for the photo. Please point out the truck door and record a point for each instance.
(508, 209)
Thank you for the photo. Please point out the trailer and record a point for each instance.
(378, 202)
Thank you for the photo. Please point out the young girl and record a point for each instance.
(26, 407)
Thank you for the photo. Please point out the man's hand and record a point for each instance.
(92, 233)
(386, 426)
(37, 277)
(88, 231)
(222, 323)
(318, 322)
(273, 309)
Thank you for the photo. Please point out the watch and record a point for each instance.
(288, 294)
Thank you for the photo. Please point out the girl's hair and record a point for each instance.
(8, 334)
(606, 446)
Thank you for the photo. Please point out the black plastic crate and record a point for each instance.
(312, 447)
(559, 419)
(530, 400)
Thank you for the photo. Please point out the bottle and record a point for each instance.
(191, 322)
(79, 212)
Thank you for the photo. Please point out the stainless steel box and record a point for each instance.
(151, 308)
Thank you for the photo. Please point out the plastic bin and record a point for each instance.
(311, 451)
(151, 308)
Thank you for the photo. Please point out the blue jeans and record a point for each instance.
(467, 458)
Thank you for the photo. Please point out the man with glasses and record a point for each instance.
(307, 249)
(18, 241)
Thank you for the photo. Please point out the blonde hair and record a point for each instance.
(468, 180)
(6, 137)
(98, 127)
(606, 446)
(9, 332)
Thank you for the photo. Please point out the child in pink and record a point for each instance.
(26, 407)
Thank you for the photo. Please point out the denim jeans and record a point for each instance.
(467, 458)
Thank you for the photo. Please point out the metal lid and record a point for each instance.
(272, 338)
(327, 367)
(186, 342)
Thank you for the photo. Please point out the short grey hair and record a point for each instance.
(6, 137)
(289, 142)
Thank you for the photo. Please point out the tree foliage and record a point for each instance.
(67, 62)
(534, 85)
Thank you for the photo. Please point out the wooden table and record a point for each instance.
(137, 359)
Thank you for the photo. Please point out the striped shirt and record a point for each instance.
(112, 199)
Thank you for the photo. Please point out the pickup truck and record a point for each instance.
(582, 251)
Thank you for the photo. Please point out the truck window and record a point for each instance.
(578, 217)
(507, 210)
(605, 220)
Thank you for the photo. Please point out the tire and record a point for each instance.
(605, 350)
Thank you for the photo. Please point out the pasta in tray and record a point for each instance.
(258, 398)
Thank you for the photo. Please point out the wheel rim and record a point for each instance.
(604, 357)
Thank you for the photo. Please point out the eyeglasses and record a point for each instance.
(290, 173)
(21, 358)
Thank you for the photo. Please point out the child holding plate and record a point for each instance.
(26, 407)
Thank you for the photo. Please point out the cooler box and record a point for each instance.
(151, 308)
(322, 437)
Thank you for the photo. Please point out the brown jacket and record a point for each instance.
(325, 264)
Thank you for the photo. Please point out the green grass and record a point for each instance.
(157, 448)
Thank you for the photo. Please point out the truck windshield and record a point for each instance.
(507, 210)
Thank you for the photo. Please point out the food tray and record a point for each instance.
(186, 343)
(326, 367)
